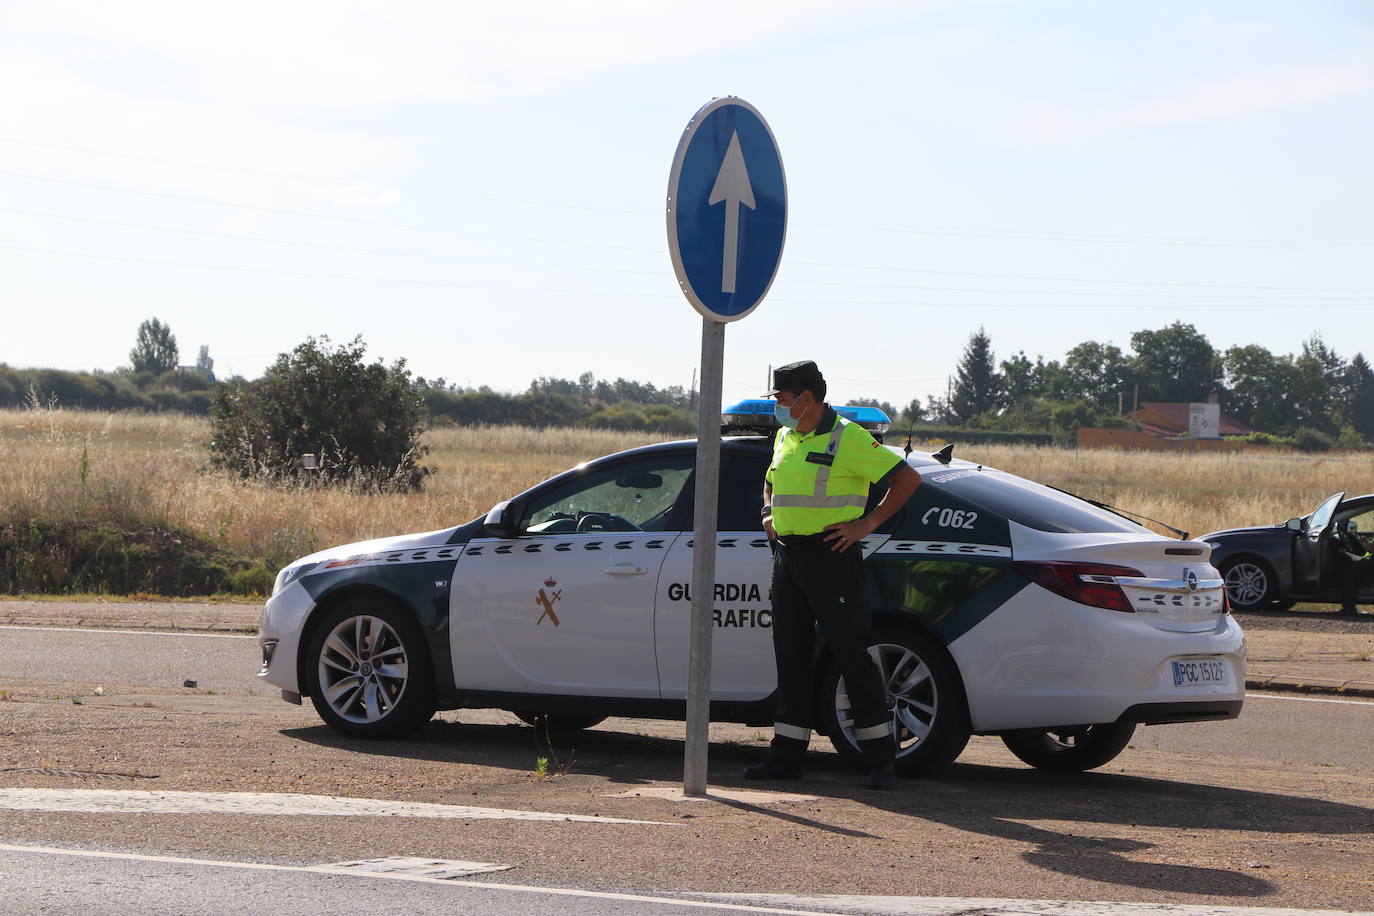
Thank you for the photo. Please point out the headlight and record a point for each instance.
(288, 575)
(1214, 544)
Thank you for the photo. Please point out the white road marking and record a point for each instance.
(747, 796)
(397, 876)
(443, 869)
(839, 904)
(133, 801)
(15, 626)
(1266, 696)
(999, 906)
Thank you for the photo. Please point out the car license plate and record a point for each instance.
(1201, 672)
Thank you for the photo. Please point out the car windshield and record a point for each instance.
(1028, 503)
(1319, 518)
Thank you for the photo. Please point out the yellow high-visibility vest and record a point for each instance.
(822, 477)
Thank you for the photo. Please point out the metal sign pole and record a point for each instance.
(726, 220)
(703, 559)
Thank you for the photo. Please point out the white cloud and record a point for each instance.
(1247, 95)
(360, 52)
(164, 142)
(156, 84)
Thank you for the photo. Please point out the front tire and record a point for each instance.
(1250, 584)
(925, 699)
(1068, 750)
(370, 671)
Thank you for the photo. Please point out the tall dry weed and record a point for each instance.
(133, 468)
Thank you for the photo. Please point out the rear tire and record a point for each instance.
(370, 671)
(925, 694)
(1070, 750)
(1250, 584)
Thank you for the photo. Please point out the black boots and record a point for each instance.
(774, 767)
(883, 776)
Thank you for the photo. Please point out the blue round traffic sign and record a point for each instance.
(727, 209)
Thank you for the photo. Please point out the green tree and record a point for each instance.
(977, 386)
(1020, 380)
(1319, 394)
(1359, 403)
(362, 420)
(155, 349)
(885, 406)
(1261, 389)
(915, 412)
(1175, 364)
(1096, 372)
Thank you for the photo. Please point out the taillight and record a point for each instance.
(1093, 584)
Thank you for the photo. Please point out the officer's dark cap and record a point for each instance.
(801, 376)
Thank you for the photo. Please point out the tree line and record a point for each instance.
(1313, 395)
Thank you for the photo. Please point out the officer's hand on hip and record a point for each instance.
(768, 528)
(843, 535)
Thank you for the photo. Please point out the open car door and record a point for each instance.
(1313, 546)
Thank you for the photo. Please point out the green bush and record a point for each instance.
(60, 557)
(1259, 438)
(1308, 439)
(1350, 438)
(362, 420)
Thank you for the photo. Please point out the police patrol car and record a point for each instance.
(1000, 607)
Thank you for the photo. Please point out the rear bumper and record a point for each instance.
(1041, 661)
(1173, 712)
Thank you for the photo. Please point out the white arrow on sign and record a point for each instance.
(732, 186)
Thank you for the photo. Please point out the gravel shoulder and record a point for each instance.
(1152, 826)
(1181, 825)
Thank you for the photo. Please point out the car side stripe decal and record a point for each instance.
(946, 548)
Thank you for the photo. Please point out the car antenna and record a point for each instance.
(945, 454)
(1124, 513)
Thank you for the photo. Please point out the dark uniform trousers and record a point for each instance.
(813, 584)
(1354, 572)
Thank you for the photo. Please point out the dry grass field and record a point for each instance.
(135, 470)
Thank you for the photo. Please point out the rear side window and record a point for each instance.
(1028, 503)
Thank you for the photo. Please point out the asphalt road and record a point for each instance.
(217, 662)
(1275, 808)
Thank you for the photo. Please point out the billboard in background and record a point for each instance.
(1204, 421)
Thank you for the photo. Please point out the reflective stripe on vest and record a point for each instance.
(818, 499)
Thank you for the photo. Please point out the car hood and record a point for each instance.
(1229, 532)
(380, 545)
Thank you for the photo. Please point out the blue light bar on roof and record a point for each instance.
(757, 413)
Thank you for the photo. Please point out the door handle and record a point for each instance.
(625, 570)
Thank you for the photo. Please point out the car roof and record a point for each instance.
(917, 459)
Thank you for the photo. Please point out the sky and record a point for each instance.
(480, 188)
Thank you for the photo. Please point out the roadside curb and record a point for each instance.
(1310, 685)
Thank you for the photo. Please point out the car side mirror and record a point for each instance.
(501, 521)
(1293, 524)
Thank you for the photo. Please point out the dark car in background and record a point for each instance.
(1277, 566)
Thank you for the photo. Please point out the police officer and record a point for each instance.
(1353, 564)
(814, 496)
